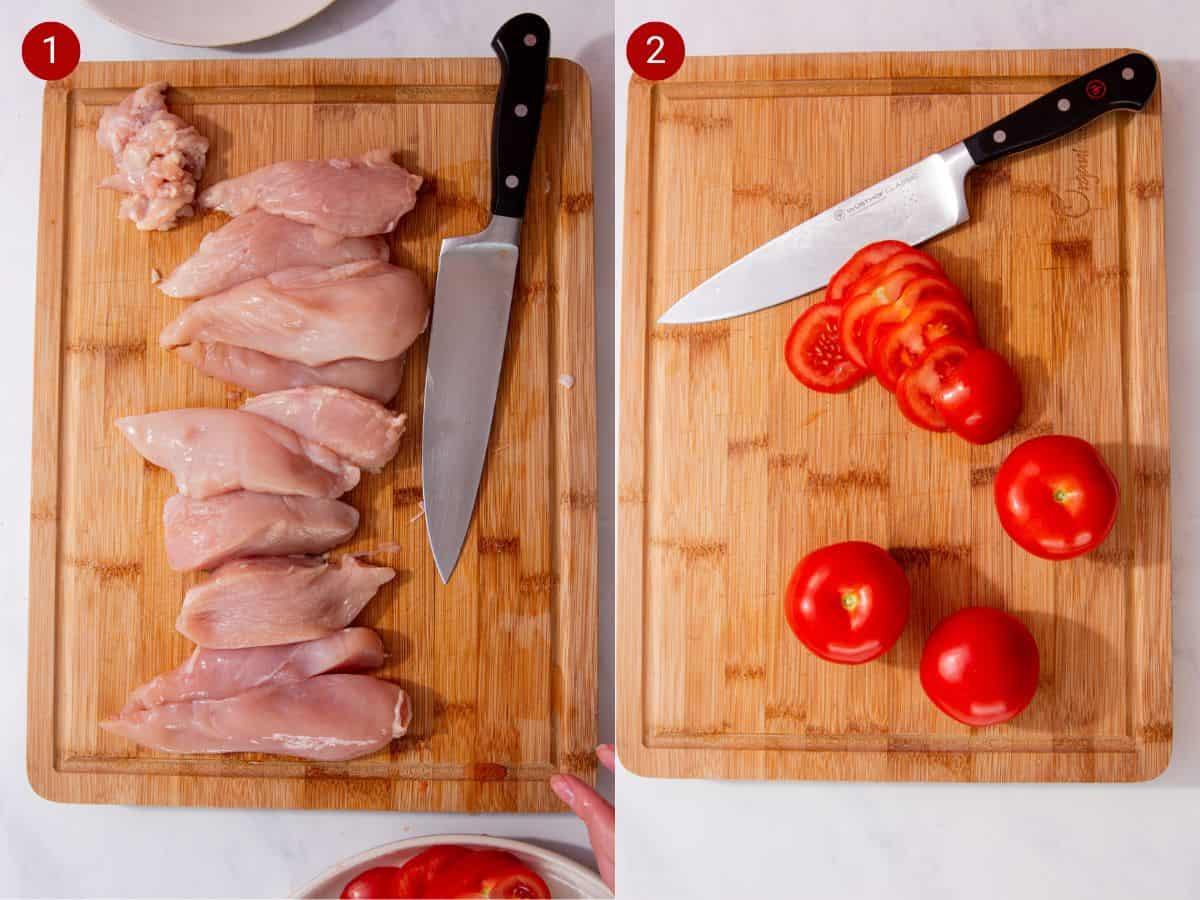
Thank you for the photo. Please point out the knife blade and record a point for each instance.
(472, 298)
(914, 205)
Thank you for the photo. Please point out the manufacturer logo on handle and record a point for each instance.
(1096, 89)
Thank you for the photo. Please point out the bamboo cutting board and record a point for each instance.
(501, 664)
(730, 470)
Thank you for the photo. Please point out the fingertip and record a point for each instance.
(562, 789)
(607, 754)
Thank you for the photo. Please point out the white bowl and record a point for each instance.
(565, 877)
(212, 23)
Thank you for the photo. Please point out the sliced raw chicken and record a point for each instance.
(349, 196)
(159, 158)
(278, 600)
(217, 674)
(215, 451)
(361, 310)
(261, 373)
(329, 718)
(258, 244)
(353, 427)
(202, 534)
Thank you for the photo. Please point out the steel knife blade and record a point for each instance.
(913, 205)
(472, 298)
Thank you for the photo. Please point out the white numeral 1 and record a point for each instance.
(653, 57)
(50, 41)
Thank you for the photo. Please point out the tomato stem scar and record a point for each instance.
(850, 601)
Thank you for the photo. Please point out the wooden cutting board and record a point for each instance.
(730, 470)
(501, 664)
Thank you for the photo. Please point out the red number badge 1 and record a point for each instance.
(50, 51)
(655, 51)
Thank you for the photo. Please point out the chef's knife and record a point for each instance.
(475, 281)
(913, 205)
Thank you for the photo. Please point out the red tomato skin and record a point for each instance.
(814, 353)
(1056, 497)
(823, 585)
(981, 399)
(918, 385)
(845, 277)
(414, 875)
(980, 666)
(486, 873)
(374, 884)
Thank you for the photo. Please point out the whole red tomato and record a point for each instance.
(375, 884)
(981, 397)
(1056, 496)
(848, 602)
(980, 666)
(487, 873)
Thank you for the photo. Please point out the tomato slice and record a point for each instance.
(919, 385)
(881, 321)
(414, 876)
(932, 318)
(873, 294)
(815, 354)
(909, 257)
(488, 873)
(844, 278)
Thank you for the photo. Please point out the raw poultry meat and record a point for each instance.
(258, 244)
(349, 196)
(159, 158)
(355, 428)
(261, 373)
(278, 600)
(202, 534)
(215, 451)
(312, 315)
(217, 674)
(328, 718)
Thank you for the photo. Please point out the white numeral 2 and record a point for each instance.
(653, 57)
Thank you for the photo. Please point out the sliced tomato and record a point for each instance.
(415, 875)
(881, 321)
(908, 257)
(981, 400)
(488, 873)
(932, 318)
(844, 278)
(874, 293)
(919, 385)
(815, 354)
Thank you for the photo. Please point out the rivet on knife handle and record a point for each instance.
(1124, 83)
(523, 45)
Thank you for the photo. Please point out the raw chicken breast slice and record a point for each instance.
(202, 534)
(278, 600)
(361, 310)
(353, 427)
(349, 196)
(329, 718)
(159, 158)
(261, 373)
(217, 674)
(215, 451)
(258, 244)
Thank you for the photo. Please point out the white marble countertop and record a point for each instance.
(103, 851)
(705, 839)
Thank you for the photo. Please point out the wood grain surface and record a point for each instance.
(730, 470)
(501, 664)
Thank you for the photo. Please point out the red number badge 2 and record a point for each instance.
(655, 51)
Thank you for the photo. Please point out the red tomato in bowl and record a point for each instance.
(814, 351)
(375, 884)
(1056, 496)
(488, 873)
(980, 399)
(848, 602)
(980, 666)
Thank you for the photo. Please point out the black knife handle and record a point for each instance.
(523, 45)
(1124, 83)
